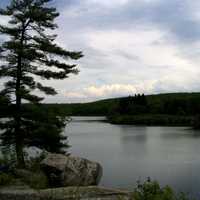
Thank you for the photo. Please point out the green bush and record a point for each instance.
(5, 179)
(38, 181)
(151, 190)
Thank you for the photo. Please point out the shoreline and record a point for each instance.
(152, 120)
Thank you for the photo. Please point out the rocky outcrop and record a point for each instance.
(81, 193)
(65, 171)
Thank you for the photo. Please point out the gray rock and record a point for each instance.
(84, 193)
(13, 193)
(71, 171)
(68, 193)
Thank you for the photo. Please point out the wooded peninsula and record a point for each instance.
(172, 109)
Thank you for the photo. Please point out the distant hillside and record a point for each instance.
(97, 108)
(188, 103)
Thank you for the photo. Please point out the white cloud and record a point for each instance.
(76, 95)
(109, 3)
(110, 90)
(168, 83)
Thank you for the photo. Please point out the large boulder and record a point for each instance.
(65, 171)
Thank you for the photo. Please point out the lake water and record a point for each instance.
(128, 153)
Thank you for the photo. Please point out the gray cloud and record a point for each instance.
(176, 16)
(150, 45)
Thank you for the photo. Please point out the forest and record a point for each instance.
(159, 109)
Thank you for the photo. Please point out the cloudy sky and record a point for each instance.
(129, 46)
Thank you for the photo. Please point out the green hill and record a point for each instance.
(186, 101)
(159, 109)
(97, 108)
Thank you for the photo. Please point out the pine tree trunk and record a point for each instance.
(18, 137)
(19, 150)
(18, 133)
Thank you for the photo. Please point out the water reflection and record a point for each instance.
(170, 155)
(87, 119)
(138, 134)
(132, 141)
(179, 133)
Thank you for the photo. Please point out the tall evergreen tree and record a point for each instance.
(31, 51)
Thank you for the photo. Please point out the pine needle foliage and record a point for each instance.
(30, 51)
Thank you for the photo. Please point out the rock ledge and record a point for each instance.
(81, 193)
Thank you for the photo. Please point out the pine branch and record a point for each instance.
(46, 90)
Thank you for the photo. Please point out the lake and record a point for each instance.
(129, 153)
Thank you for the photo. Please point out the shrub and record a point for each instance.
(151, 190)
(38, 181)
(5, 179)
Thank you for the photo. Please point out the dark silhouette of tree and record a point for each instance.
(136, 104)
(30, 52)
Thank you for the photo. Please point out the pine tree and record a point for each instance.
(30, 52)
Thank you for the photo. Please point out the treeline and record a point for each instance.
(98, 108)
(165, 109)
(131, 105)
(160, 109)
(169, 104)
(187, 104)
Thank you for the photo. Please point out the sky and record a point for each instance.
(129, 46)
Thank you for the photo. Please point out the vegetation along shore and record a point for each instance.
(172, 109)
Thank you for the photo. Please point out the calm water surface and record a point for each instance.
(127, 153)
